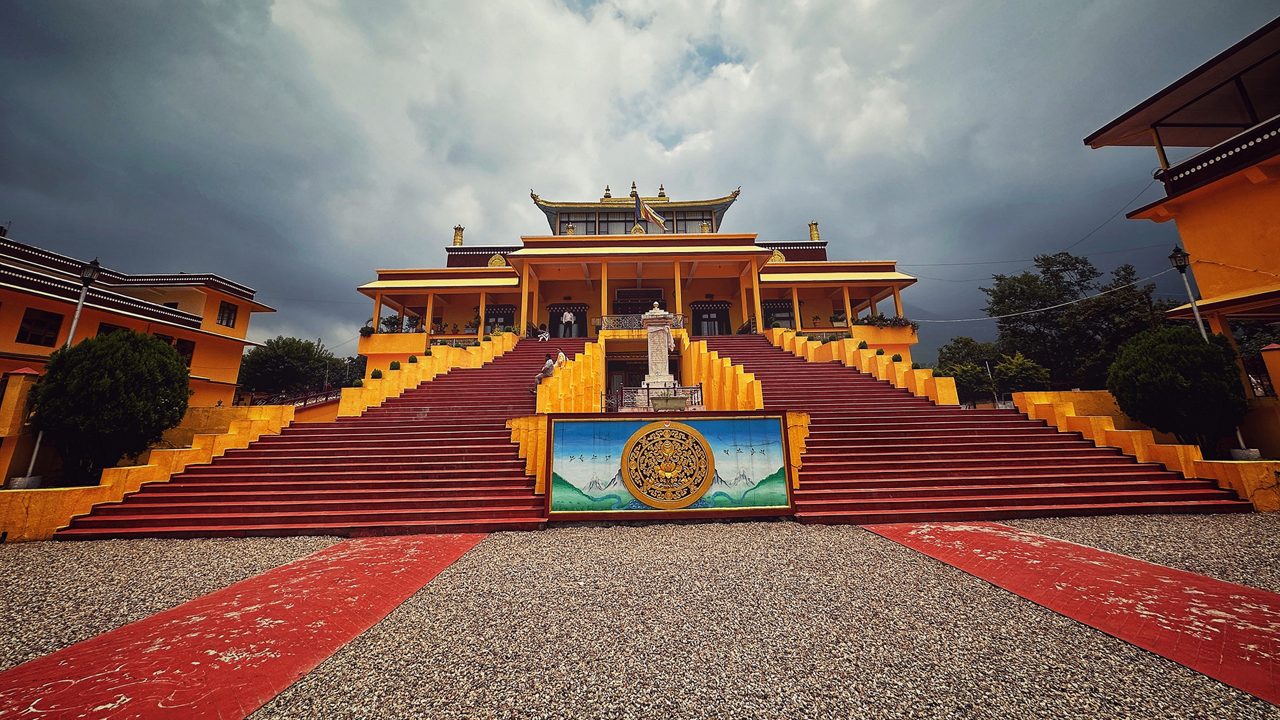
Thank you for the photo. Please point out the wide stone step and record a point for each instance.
(1010, 512)
(334, 526)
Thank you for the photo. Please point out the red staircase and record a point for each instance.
(877, 454)
(436, 459)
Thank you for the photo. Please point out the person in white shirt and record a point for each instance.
(566, 323)
(548, 368)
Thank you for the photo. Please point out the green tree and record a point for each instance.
(963, 349)
(1076, 342)
(1174, 381)
(1017, 373)
(107, 398)
(294, 365)
(973, 384)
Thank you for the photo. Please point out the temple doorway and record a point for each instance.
(709, 317)
(555, 316)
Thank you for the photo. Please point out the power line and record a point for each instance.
(1053, 307)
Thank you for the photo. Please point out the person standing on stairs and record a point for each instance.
(548, 368)
(566, 323)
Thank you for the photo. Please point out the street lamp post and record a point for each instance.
(88, 274)
(1181, 261)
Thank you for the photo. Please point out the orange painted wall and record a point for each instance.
(1234, 222)
(215, 358)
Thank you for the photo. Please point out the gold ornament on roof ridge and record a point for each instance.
(497, 261)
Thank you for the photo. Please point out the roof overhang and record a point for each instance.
(1203, 107)
(626, 203)
(442, 279)
(836, 278)
(1256, 303)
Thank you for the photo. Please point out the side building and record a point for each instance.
(203, 316)
(1224, 198)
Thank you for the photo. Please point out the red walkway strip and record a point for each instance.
(1226, 631)
(225, 654)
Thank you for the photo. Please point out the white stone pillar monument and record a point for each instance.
(657, 326)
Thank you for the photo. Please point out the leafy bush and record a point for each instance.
(896, 357)
(487, 338)
(862, 344)
(1018, 374)
(395, 365)
(366, 331)
(107, 398)
(775, 325)
(413, 359)
(1174, 381)
(885, 321)
(427, 353)
(358, 383)
(972, 382)
(879, 351)
(376, 374)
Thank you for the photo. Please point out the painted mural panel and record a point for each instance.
(668, 466)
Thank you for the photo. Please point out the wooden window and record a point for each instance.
(39, 327)
(583, 223)
(186, 349)
(227, 314)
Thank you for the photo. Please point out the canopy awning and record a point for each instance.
(836, 278)
(1231, 92)
(425, 284)
(1256, 303)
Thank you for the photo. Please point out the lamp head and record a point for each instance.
(89, 273)
(1180, 259)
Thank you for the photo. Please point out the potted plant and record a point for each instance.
(366, 331)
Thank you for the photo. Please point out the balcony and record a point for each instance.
(1238, 153)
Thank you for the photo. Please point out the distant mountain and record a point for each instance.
(614, 486)
(567, 498)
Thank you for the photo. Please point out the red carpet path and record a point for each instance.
(226, 654)
(1226, 631)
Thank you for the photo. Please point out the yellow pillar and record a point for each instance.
(742, 287)
(604, 292)
(755, 289)
(431, 304)
(848, 308)
(480, 329)
(524, 302)
(795, 307)
(377, 312)
(679, 300)
(897, 301)
(537, 286)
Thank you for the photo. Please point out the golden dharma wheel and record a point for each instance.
(668, 465)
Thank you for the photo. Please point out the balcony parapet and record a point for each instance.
(1242, 151)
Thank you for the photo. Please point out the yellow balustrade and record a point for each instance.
(577, 386)
(917, 381)
(530, 434)
(35, 514)
(442, 359)
(797, 434)
(725, 385)
(1256, 481)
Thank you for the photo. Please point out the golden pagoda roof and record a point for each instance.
(623, 203)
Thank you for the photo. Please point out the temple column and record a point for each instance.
(604, 293)
(897, 301)
(536, 288)
(377, 312)
(523, 326)
(1218, 325)
(431, 306)
(742, 288)
(755, 289)
(795, 307)
(848, 308)
(675, 273)
(480, 328)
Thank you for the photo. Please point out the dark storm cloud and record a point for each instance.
(260, 141)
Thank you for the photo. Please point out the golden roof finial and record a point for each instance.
(813, 231)
(457, 235)
(662, 192)
(607, 192)
(633, 188)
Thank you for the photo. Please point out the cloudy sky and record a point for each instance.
(295, 146)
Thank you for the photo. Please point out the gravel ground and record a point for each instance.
(54, 594)
(1241, 548)
(746, 620)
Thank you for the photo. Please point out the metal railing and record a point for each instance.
(642, 397)
(631, 322)
(303, 399)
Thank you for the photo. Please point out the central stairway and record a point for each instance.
(438, 458)
(878, 454)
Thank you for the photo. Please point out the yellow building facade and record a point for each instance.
(602, 265)
(203, 316)
(1224, 198)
